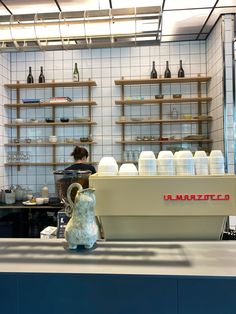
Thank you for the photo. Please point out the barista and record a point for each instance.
(80, 155)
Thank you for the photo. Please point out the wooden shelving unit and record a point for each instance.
(196, 100)
(51, 104)
(155, 121)
(49, 144)
(54, 125)
(147, 81)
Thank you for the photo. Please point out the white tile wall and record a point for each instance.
(228, 32)
(4, 98)
(104, 66)
(215, 70)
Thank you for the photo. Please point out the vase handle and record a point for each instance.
(73, 185)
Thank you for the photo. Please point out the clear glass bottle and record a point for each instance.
(30, 78)
(153, 72)
(174, 114)
(167, 73)
(41, 76)
(181, 70)
(76, 73)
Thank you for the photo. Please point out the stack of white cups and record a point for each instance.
(165, 163)
(147, 164)
(201, 163)
(216, 162)
(184, 163)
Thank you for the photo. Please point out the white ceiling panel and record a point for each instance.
(188, 4)
(83, 5)
(181, 19)
(29, 6)
(135, 3)
(183, 22)
(227, 3)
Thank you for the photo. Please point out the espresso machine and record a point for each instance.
(164, 207)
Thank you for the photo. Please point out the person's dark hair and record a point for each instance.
(79, 153)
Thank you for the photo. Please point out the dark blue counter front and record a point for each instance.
(42, 276)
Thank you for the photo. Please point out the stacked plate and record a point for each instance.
(128, 169)
(184, 163)
(165, 163)
(201, 163)
(147, 164)
(216, 162)
(107, 167)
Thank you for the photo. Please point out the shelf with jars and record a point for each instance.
(131, 108)
(20, 124)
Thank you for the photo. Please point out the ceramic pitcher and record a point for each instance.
(81, 228)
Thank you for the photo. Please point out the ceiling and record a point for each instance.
(178, 20)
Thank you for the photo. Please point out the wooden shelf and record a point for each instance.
(50, 104)
(164, 141)
(49, 144)
(163, 80)
(52, 84)
(27, 164)
(170, 121)
(163, 101)
(30, 124)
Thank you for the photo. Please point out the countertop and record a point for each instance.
(19, 205)
(216, 258)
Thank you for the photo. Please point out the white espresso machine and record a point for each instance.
(164, 208)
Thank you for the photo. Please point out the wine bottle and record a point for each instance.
(181, 70)
(153, 72)
(167, 73)
(41, 76)
(76, 73)
(30, 78)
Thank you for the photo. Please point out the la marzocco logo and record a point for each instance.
(196, 197)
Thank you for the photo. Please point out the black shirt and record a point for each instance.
(81, 166)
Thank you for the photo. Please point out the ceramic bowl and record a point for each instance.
(107, 166)
(49, 120)
(165, 154)
(216, 153)
(64, 119)
(18, 120)
(39, 200)
(185, 154)
(128, 169)
(200, 153)
(147, 155)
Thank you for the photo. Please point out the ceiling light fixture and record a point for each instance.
(73, 30)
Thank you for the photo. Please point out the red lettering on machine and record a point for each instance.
(197, 197)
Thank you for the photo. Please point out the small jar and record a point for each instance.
(52, 139)
(10, 197)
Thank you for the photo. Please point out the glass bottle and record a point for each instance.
(167, 73)
(30, 78)
(174, 114)
(153, 72)
(44, 192)
(41, 76)
(76, 73)
(181, 70)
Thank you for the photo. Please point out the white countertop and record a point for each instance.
(216, 258)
